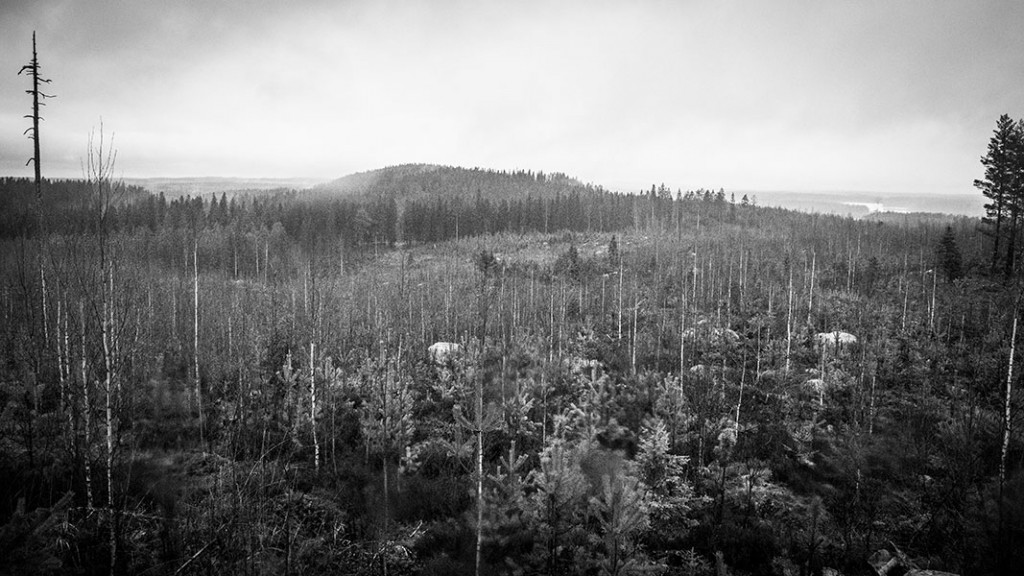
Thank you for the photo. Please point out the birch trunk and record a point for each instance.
(312, 408)
(636, 309)
(810, 290)
(105, 327)
(86, 412)
(620, 298)
(789, 321)
(63, 407)
(195, 335)
(1006, 406)
(479, 470)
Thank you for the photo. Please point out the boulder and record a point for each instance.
(442, 352)
(835, 339)
(700, 370)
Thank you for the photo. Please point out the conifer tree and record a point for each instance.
(1001, 182)
(948, 253)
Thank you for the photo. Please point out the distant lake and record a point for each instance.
(859, 204)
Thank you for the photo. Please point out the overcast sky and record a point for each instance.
(783, 95)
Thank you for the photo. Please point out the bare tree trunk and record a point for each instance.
(1006, 405)
(448, 303)
(757, 359)
(479, 470)
(551, 324)
(744, 262)
(636, 310)
(620, 298)
(789, 321)
(256, 254)
(693, 288)
(312, 407)
(728, 293)
(682, 336)
(106, 325)
(63, 406)
(384, 556)
(906, 296)
(739, 400)
(385, 391)
(604, 282)
(42, 294)
(1003, 544)
(195, 335)
(69, 379)
(931, 313)
(86, 412)
(810, 290)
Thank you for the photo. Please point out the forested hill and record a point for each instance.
(429, 203)
(416, 181)
(412, 203)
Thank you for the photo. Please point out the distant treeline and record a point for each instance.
(377, 215)
(67, 205)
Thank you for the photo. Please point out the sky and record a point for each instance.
(880, 96)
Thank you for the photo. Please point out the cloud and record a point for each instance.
(793, 94)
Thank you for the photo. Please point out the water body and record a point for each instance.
(860, 204)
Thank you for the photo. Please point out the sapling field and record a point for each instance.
(430, 370)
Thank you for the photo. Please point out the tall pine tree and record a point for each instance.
(999, 184)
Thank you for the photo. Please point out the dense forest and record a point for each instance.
(430, 370)
(382, 207)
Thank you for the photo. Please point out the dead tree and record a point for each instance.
(32, 69)
(38, 97)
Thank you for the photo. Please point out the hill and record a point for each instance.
(417, 181)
